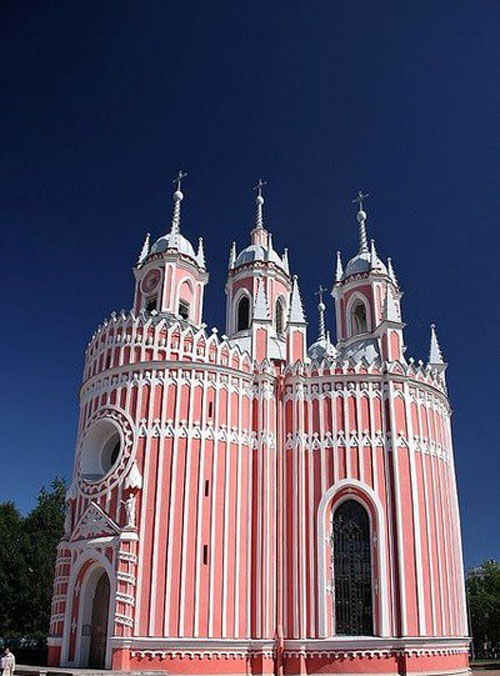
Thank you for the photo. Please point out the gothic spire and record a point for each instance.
(259, 202)
(363, 241)
(176, 216)
(321, 311)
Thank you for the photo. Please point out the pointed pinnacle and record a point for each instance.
(145, 249)
(339, 272)
(435, 354)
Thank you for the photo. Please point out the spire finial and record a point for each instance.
(321, 310)
(178, 179)
(259, 201)
(363, 241)
(176, 216)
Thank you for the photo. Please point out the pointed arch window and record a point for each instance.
(243, 314)
(280, 317)
(359, 322)
(352, 570)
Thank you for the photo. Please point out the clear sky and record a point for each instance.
(102, 103)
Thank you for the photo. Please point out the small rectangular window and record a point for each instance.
(205, 555)
(210, 409)
(151, 304)
(207, 487)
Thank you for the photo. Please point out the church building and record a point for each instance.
(255, 502)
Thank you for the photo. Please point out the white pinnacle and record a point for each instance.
(373, 255)
(145, 250)
(391, 272)
(435, 354)
(260, 308)
(232, 256)
(339, 272)
(296, 307)
(286, 263)
(200, 256)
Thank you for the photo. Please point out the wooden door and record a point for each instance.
(99, 627)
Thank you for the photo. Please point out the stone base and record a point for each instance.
(232, 657)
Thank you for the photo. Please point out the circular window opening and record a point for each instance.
(100, 450)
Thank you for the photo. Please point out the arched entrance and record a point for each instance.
(99, 624)
(352, 570)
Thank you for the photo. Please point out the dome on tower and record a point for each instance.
(362, 262)
(174, 241)
(259, 252)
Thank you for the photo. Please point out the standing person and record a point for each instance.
(7, 662)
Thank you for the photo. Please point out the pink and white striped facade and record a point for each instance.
(213, 523)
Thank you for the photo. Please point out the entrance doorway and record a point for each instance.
(352, 570)
(99, 624)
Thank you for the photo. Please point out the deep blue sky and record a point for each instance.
(102, 103)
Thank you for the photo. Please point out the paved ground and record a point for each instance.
(490, 668)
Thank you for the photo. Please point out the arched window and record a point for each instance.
(243, 314)
(359, 324)
(280, 316)
(351, 561)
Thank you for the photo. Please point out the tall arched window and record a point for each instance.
(243, 314)
(280, 316)
(359, 324)
(352, 574)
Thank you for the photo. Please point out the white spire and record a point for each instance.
(259, 201)
(435, 354)
(321, 311)
(260, 307)
(339, 270)
(296, 307)
(232, 255)
(286, 263)
(145, 250)
(391, 272)
(373, 255)
(200, 256)
(363, 242)
(390, 311)
(176, 216)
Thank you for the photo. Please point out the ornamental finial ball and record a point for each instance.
(361, 215)
(178, 196)
(321, 307)
(259, 200)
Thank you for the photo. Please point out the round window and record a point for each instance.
(100, 450)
